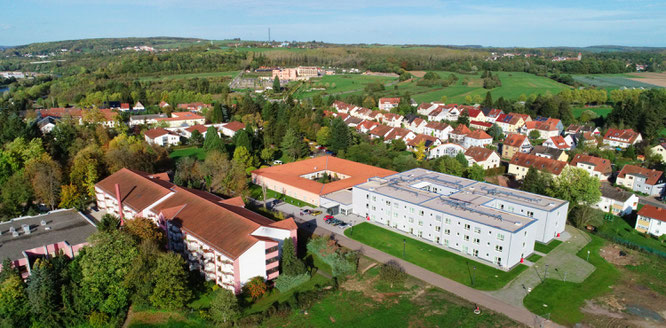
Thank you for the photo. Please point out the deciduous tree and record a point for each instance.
(224, 308)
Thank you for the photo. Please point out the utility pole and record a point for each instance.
(269, 35)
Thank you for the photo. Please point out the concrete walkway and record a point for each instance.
(483, 299)
(561, 263)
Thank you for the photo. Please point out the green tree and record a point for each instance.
(463, 118)
(449, 165)
(496, 132)
(536, 181)
(293, 146)
(104, 266)
(256, 287)
(42, 293)
(488, 101)
(276, 84)
(534, 134)
(340, 136)
(16, 195)
(324, 136)
(267, 154)
(14, 307)
(108, 223)
(144, 229)
(224, 308)
(392, 273)
(45, 176)
(291, 264)
(196, 139)
(170, 281)
(576, 186)
(212, 140)
(460, 157)
(217, 116)
(243, 156)
(475, 172)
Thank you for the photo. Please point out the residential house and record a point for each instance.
(47, 124)
(392, 120)
(597, 167)
(164, 104)
(484, 157)
(428, 142)
(227, 243)
(512, 122)
(418, 125)
(161, 137)
(195, 106)
(145, 119)
(399, 134)
(515, 143)
(547, 128)
(473, 113)
(616, 138)
(187, 132)
(652, 220)
(439, 130)
(352, 122)
(438, 114)
(660, 149)
(425, 108)
(552, 153)
(124, 107)
(458, 134)
(616, 201)
(343, 107)
(388, 103)
(231, 128)
(138, 106)
(492, 114)
(379, 131)
(520, 163)
(575, 129)
(477, 138)
(588, 139)
(642, 180)
(182, 119)
(366, 126)
(445, 149)
(480, 125)
(559, 142)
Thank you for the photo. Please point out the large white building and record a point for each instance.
(220, 238)
(490, 224)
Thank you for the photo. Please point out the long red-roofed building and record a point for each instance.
(223, 240)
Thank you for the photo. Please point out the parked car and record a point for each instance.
(306, 211)
(328, 217)
(315, 213)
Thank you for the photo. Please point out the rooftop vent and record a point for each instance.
(47, 228)
(15, 234)
(43, 222)
(12, 229)
(26, 229)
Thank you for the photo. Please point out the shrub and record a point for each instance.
(342, 262)
(286, 282)
(392, 273)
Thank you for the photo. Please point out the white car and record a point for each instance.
(277, 162)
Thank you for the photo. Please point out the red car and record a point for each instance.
(328, 217)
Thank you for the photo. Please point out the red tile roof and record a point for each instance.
(625, 136)
(154, 133)
(479, 154)
(380, 130)
(393, 101)
(651, 176)
(657, 213)
(60, 112)
(559, 142)
(291, 173)
(601, 165)
(514, 140)
(181, 116)
(426, 139)
(472, 112)
(439, 126)
(199, 127)
(481, 123)
(234, 126)
(540, 163)
(548, 125)
(125, 105)
(461, 129)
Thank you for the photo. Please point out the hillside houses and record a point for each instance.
(617, 138)
(458, 134)
(388, 103)
(521, 163)
(438, 129)
(445, 149)
(597, 167)
(642, 180)
(477, 138)
(550, 127)
(559, 142)
(484, 157)
(515, 143)
(512, 122)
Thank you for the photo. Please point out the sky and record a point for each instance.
(520, 23)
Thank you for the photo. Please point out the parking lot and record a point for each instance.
(338, 223)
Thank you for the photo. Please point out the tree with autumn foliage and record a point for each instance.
(45, 175)
(256, 287)
(144, 229)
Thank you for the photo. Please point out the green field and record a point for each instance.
(562, 300)
(546, 248)
(601, 111)
(343, 84)
(612, 81)
(187, 152)
(433, 258)
(231, 74)
(616, 229)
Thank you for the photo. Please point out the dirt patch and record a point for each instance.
(618, 255)
(595, 309)
(658, 79)
(417, 73)
(372, 265)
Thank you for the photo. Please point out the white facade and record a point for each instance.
(618, 207)
(167, 139)
(473, 142)
(447, 149)
(491, 162)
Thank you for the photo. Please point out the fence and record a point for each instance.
(631, 244)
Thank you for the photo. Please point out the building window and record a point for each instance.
(447, 220)
(477, 241)
(438, 218)
(477, 230)
(420, 223)
(388, 203)
(498, 248)
(411, 220)
(421, 213)
(447, 232)
(467, 226)
(411, 210)
(466, 238)
(500, 236)
(438, 228)
(420, 233)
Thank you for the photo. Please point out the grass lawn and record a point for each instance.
(343, 84)
(231, 74)
(433, 258)
(601, 111)
(256, 193)
(563, 300)
(275, 295)
(514, 84)
(546, 248)
(652, 273)
(623, 228)
(187, 152)
(534, 257)
(163, 319)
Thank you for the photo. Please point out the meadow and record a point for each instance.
(339, 84)
(612, 81)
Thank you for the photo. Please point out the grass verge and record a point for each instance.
(546, 248)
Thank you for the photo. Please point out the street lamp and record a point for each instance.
(473, 274)
(545, 274)
(588, 256)
(404, 244)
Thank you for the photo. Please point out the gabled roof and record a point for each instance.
(625, 136)
(198, 127)
(479, 154)
(426, 139)
(552, 152)
(478, 134)
(657, 213)
(154, 133)
(559, 142)
(540, 163)
(651, 176)
(397, 133)
(472, 112)
(547, 125)
(461, 129)
(601, 165)
(514, 140)
(439, 126)
(380, 130)
(60, 112)
(234, 126)
(393, 101)
(181, 116)
(608, 191)
(480, 123)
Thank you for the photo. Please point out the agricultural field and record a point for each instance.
(339, 84)
(231, 75)
(615, 81)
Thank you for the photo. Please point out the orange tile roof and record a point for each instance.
(626, 136)
(154, 133)
(426, 139)
(540, 163)
(180, 116)
(559, 142)
(514, 140)
(657, 213)
(393, 101)
(234, 126)
(290, 173)
(651, 176)
(60, 112)
(461, 129)
(601, 165)
(479, 135)
(199, 127)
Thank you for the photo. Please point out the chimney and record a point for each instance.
(120, 205)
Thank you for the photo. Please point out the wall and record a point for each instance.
(252, 263)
